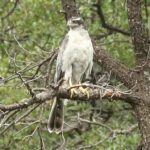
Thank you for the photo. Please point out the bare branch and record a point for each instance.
(51, 57)
(31, 135)
(11, 11)
(106, 25)
(18, 119)
(50, 69)
(27, 85)
(117, 68)
(94, 94)
(42, 145)
(111, 135)
(126, 131)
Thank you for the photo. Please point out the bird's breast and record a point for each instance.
(79, 50)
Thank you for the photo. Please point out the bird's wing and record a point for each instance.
(59, 74)
(88, 70)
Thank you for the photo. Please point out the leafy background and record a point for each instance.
(27, 37)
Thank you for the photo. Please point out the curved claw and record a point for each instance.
(73, 91)
(85, 91)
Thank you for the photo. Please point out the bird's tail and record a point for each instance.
(56, 116)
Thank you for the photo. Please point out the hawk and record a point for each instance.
(74, 61)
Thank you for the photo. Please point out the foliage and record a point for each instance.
(28, 36)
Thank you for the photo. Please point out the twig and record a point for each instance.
(28, 136)
(28, 125)
(43, 62)
(50, 68)
(126, 131)
(27, 85)
(19, 44)
(27, 68)
(95, 123)
(111, 135)
(95, 144)
(104, 24)
(11, 11)
(42, 145)
(8, 117)
(17, 120)
(39, 89)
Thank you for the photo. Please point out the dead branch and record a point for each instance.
(27, 85)
(51, 57)
(120, 71)
(50, 68)
(18, 119)
(111, 135)
(94, 94)
(106, 25)
(42, 145)
(11, 11)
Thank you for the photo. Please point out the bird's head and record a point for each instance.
(75, 22)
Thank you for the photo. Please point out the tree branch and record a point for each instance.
(96, 93)
(120, 71)
(106, 25)
(11, 11)
(101, 57)
(138, 29)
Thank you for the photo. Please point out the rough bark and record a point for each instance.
(96, 93)
(138, 30)
(127, 76)
(141, 48)
(143, 116)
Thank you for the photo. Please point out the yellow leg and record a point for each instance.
(85, 91)
(72, 90)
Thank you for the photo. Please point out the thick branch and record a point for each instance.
(96, 93)
(125, 75)
(130, 78)
(138, 29)
(120, 71)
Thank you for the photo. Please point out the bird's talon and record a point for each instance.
(73, 91)
(85, 91)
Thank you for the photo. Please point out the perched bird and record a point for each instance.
(74, 61)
